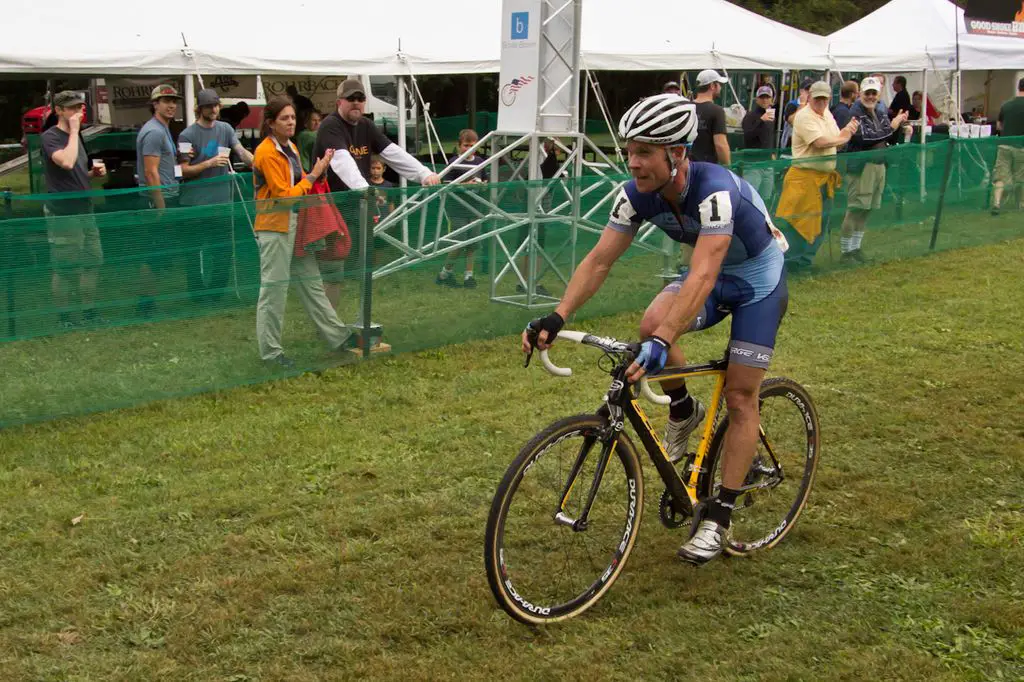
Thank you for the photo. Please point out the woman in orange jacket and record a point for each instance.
(279, 183)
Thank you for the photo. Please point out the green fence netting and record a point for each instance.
(106, 301)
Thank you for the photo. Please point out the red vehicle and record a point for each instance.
(33, 120)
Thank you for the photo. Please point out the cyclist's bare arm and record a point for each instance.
(587, 279)
(708, 254)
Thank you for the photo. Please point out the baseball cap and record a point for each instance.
(163, 90)
(68, 98)
(349, 87)
(765, 91)
(820, 89)
(207, 97)
(671, 85)
(870, 83)
(806, 83)
(710, 76)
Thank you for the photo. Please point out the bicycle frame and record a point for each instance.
(622, 404)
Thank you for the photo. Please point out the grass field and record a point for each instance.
(330, 527)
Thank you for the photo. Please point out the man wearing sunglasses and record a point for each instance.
(355, 139)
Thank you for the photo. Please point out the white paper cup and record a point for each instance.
(223, 151)
(98, 163)
(771, 113)
(184, 147)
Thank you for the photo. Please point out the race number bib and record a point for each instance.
(623, 212)
(716, 213)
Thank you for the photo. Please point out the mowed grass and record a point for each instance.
(331, 527)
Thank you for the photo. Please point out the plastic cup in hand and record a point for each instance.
(771, 114)
(223, 151)
(184, 147)
(98, 164)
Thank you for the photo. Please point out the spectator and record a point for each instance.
(354, 138)
(376, 179)
(306, 139)
(278, 182)
(210, 143)
(866, 182)
(759, 133)
(671, 88)
(934, 115)
(810, 183)
(460, 215)
(711, 145)
(901, 100)
(156, 167)
(793, 106)
(880, 77)
(1009, 166)
(303, 105)
(848, 94)
(75, 247)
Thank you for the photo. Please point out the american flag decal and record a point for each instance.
(521, 82)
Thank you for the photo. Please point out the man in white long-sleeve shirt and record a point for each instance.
(355, 139)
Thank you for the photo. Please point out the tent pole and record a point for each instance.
(923, 161)
(190, 100)
(402, 122)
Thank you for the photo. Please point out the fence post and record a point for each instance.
(12, 327)
(942, 193)
(366, 261)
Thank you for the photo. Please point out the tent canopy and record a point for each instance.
(912, 35)
(421, 38)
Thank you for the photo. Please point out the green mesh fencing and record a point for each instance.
(106, 301)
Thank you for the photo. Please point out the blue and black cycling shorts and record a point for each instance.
(754, 292)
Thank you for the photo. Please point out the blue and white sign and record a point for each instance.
(520, 25)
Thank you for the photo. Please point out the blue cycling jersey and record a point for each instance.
(714, 201)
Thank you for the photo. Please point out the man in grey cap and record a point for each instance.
(759, 133)
(355, 139)
(711, 144)
(671, 88)
(71, 230)
(206, 148)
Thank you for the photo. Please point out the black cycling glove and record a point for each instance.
(551, 323)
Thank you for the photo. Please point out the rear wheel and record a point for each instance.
(544, 569)
(780, 478)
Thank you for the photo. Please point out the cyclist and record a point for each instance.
(736, 268)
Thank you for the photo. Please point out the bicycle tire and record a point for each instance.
(796, 445)
(515, 530)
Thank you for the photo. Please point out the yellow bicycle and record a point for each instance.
(567, 513)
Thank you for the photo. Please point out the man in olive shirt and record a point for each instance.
(1009, 160)
(71, 229)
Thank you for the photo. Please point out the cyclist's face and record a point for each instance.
(649, 165)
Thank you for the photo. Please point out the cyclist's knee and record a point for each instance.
(649, 324)
(741, 401)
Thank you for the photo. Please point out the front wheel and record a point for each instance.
(541, 567)
(776, 488)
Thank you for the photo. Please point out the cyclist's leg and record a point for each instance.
(752, 342)
(660, 307)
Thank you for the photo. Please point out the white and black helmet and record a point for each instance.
(667, 119)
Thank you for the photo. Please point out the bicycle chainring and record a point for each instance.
(670, 518)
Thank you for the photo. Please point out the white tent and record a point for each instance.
(913, 35)
(445, 36)
(691, 34)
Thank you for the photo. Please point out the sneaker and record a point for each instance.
(859, 256)
(705, 544)
(351, 341)
(282, 361)
(848, 258)
(540, 290)
(677, 432)
(995, 210)
(448, 281)
(469, 282)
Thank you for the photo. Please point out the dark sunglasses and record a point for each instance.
(356, 98)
